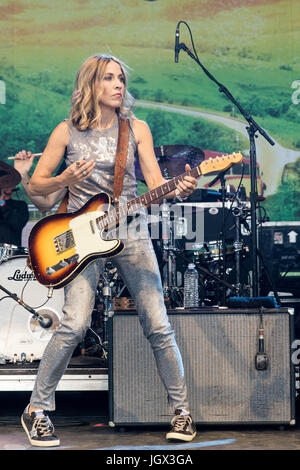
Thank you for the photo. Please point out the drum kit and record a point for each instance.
(30, 312)
(218, 264)
(209, 229)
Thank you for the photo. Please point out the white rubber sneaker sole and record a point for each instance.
(180, 437)
(35, 443)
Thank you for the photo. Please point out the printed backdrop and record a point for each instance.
(250, 46)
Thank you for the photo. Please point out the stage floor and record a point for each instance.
(81, 422)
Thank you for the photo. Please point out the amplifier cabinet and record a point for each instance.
(218, 348)
(279, 245)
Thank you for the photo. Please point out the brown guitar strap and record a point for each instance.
(63, 204)
(121, 157)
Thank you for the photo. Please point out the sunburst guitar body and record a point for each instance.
(62, 245)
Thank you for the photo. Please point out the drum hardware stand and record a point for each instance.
(169, 250)
(167, 246)
(252, 129)
(237, 248)
(6, 252)
(221, 177)
(169, 254)
(45, 322)
(106, 285)
(239, 212)
(102, 346)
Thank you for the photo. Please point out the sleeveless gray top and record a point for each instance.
(99, 145)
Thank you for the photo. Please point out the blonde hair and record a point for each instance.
(86, 110)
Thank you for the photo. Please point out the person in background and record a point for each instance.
(23, 163)
(13, 217)
(14, 213)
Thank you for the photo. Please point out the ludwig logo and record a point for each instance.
(22, 276)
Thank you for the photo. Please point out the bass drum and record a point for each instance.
(21, 336)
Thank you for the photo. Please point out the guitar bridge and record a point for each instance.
(64, 241)
(62, 264)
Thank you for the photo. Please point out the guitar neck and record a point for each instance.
(156, 194)
(145, 200)
(207, 166)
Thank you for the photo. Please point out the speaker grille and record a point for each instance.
(218, 352)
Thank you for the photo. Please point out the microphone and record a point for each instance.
(45, 321)
(261, 358)
(177, 47)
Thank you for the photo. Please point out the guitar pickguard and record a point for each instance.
(87, 237)
(61, 264)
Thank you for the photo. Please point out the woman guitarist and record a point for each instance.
(89, 137)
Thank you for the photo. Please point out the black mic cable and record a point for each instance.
(177, 47)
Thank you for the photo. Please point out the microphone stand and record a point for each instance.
(44, 322)
(252, 129)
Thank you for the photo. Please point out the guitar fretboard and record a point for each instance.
(114, 215)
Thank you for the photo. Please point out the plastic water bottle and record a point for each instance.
(190, 291)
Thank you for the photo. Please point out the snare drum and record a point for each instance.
(20, 333)
(216, 249)
(199, 252)
(210, 251)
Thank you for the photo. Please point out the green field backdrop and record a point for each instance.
(251, 46)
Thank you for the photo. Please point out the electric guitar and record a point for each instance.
(62, 245)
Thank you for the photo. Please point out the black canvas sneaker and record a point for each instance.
(182, 427)
(39, 429)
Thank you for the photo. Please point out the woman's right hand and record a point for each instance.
(78, 171)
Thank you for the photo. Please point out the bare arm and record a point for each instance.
(149, 164)
(23, 162)
(42, 181)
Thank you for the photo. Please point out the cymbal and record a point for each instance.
(173, 158)
(9, 177)
(192, 155)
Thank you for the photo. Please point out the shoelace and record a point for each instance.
(42, 426)
(179, 422)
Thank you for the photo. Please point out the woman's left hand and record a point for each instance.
(187, 186)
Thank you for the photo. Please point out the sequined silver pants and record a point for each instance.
(138, 267)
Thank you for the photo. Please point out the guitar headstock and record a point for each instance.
(221, 163)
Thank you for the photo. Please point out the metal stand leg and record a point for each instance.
(237, 248)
